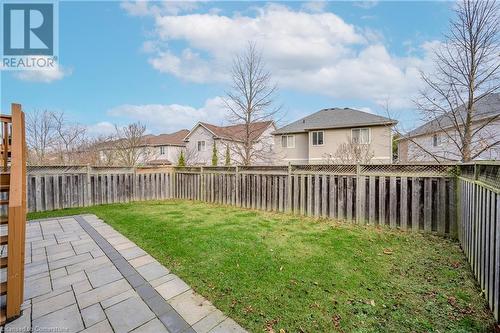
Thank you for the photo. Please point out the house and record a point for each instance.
(162, 149)
(435, 139)
(165, 149)
(202, 138)
(336, 135)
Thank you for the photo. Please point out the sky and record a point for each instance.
(167, 64)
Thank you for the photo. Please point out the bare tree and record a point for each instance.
(251, 99)
(467, 70)
(351, 153)
(129, 145)
(70, 140)
(190, 156)
(95, 151)
(41, 135)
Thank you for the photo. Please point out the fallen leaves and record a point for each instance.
(336, 322)
(388, 251)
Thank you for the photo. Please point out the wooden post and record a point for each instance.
(237, 187)
(202, 184)
(173, 184)
(289, 192)
(88, 188)
(358, 195)
(17, 215)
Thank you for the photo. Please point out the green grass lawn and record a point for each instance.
(273, 272)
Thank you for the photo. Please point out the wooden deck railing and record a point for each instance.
(13, 186)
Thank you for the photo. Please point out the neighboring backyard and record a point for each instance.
(274, 271)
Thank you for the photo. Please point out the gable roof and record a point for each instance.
(235, 132)
(486, 107)
(334, 118)
(174, 139)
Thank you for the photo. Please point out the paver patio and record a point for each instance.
(83, 276)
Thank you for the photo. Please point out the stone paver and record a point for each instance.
(93, 315)
(172, 288)
(83, 276)
(191, 306)
(140, 261)
(102, 293)
(52, 304)
(129, 314)
(152, 271)
(209, 322)
(101, 327)
(67, 319)
(152, 326)
(103, 275)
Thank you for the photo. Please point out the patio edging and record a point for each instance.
(168, 316)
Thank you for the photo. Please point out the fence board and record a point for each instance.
(333, 197)
(403, 201)
(393, 202)
(382, 201)
(415, 204)
(350, 199)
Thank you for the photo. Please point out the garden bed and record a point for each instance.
(273, 271)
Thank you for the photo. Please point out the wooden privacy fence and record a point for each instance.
(479, 226)
(410, 197)
(458, 201)
(52, 187)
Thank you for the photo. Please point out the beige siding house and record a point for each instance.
(203, 136)
(436, 139)
(335, 136)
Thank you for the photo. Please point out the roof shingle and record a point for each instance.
(334, 118)
(486, 107)
(238, 132)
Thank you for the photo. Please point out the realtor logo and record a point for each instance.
(28, 29)
(29, 32)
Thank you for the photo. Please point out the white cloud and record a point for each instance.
(365, 109)
(144, 7)
(103, 129)
(307, 51)
(46, 76)
(165, 118)
(315, 6)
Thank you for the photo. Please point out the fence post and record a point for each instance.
(289, 193)
(237, 186)
(134, 185)
(87, 189)
(456, 195)
(358, 196)
(202, 184)
(173, 185)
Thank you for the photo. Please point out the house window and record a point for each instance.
(163, 150)
(317, 138)
(360, 136)
(201, 145)
(288, 141)
(435, 140)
